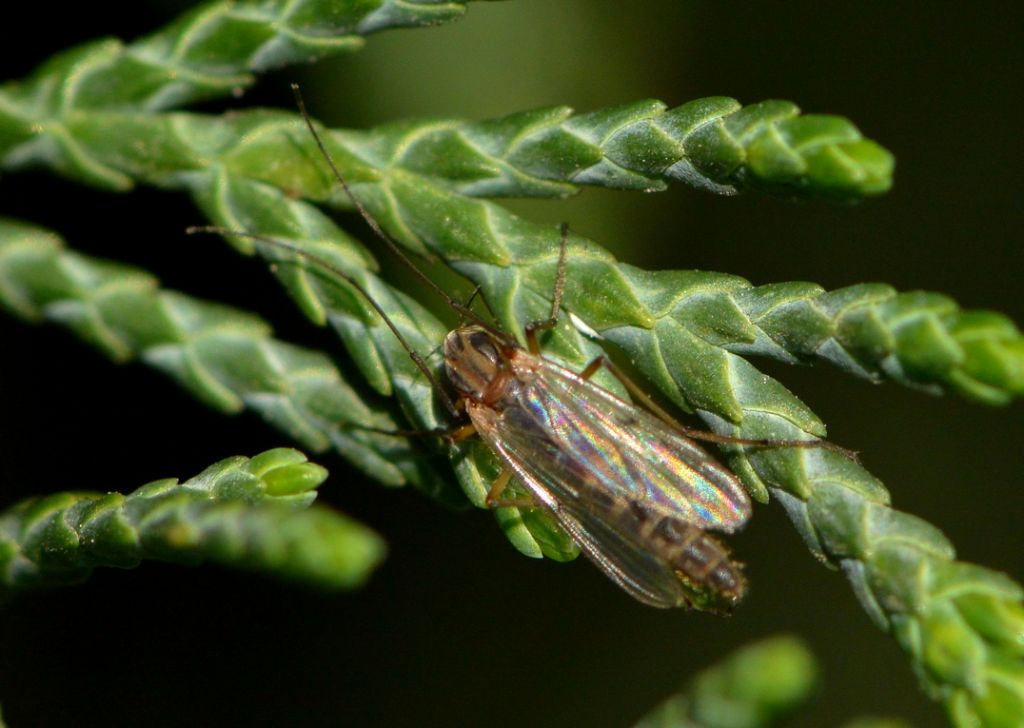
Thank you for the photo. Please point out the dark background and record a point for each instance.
(456, 628)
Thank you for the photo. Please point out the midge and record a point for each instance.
(629, 485)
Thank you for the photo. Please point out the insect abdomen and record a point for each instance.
(699, 559)
(711, 579)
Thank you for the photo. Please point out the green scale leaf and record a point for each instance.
(918, 339)
(757, 686)
(246, 513)
(224, 357)
(960, 624)
(713, 143)
(681, 346)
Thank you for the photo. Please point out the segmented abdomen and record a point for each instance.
(699, 559)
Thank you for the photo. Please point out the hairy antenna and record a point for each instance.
(459, 308)
(331, 268)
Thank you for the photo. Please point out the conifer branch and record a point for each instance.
(246, 513)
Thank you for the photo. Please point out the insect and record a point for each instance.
(629, 485)
(634, 493)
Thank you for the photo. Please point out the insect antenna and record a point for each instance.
(464, 311)
(334, 270)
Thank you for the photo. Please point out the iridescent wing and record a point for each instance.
(537, 463)
(633, 565)
(691, 569)
(629, 452)
(610, 473)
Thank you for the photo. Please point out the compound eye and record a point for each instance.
(480, 342)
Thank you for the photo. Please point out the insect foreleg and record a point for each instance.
(452, 435)
(457, 434)
(500, 484)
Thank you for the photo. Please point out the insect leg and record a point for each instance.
(695, 434)
(473, 297)
(453, 435)
(494, 499)
(457, 434)
(556, 299)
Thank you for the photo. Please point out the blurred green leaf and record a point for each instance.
(224, 357)
(231, 513)
(757, 686)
